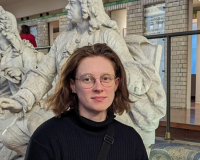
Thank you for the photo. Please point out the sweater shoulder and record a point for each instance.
(52, 122)
(49, 128)
(129, 136)
(130, 131)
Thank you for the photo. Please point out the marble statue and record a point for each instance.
(88, 24)
(16, 58)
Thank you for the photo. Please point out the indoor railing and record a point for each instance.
(169, 36)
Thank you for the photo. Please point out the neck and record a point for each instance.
(93, 116)
(82, 26)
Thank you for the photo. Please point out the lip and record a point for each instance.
(98, 98)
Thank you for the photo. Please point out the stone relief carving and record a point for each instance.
(89, 24)
(16, 58)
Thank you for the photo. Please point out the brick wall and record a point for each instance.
(62, 22)
(42, 28)
(177, 21)
(116, 7)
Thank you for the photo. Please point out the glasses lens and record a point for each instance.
(87, 81)
(107, 80)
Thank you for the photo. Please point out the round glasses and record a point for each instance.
(88, 80)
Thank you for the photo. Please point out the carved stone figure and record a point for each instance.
(16, 58)
(88, 24)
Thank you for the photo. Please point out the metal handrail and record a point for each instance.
(168, 36)
(46, 47)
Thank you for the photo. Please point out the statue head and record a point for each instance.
(8, 28)
(93, 10)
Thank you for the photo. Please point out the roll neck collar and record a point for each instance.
(87, 123)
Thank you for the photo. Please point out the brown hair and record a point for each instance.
(25, 29)
(63, 98)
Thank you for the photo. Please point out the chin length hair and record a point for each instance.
(63, 99)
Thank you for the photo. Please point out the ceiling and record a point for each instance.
(9, 2)
(196, 3)
(4, 3)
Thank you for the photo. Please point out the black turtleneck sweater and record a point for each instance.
(72, 137)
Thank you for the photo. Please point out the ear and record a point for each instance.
(116, 83)
(72, 86)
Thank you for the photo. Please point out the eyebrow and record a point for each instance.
(93, 75)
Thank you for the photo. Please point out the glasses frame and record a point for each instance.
(95, 79)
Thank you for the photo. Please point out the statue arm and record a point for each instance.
(151, 106)
(38, 81)
(29, 60)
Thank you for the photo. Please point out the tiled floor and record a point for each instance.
(174, 150)
(186, 116)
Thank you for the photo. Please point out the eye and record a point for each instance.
(106, 78)
(72, 2)
(87, 79)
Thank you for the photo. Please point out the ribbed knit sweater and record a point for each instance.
(73, 137)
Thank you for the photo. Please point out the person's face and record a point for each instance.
(97, 99)
(74, 11)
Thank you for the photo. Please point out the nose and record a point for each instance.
(98, 86)
(67, 7)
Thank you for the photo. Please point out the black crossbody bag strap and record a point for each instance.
(108, 141)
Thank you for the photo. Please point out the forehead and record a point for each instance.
(95, 65)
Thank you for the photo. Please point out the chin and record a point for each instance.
(100, 109)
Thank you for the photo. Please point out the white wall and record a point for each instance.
(197, 97)
(120, 17)
(33, 30)
(32, 7)
(189, 76)
(53, 36)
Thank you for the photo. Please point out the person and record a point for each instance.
(17, 57)
(88, 23)
(25, 34)
(86, 97)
